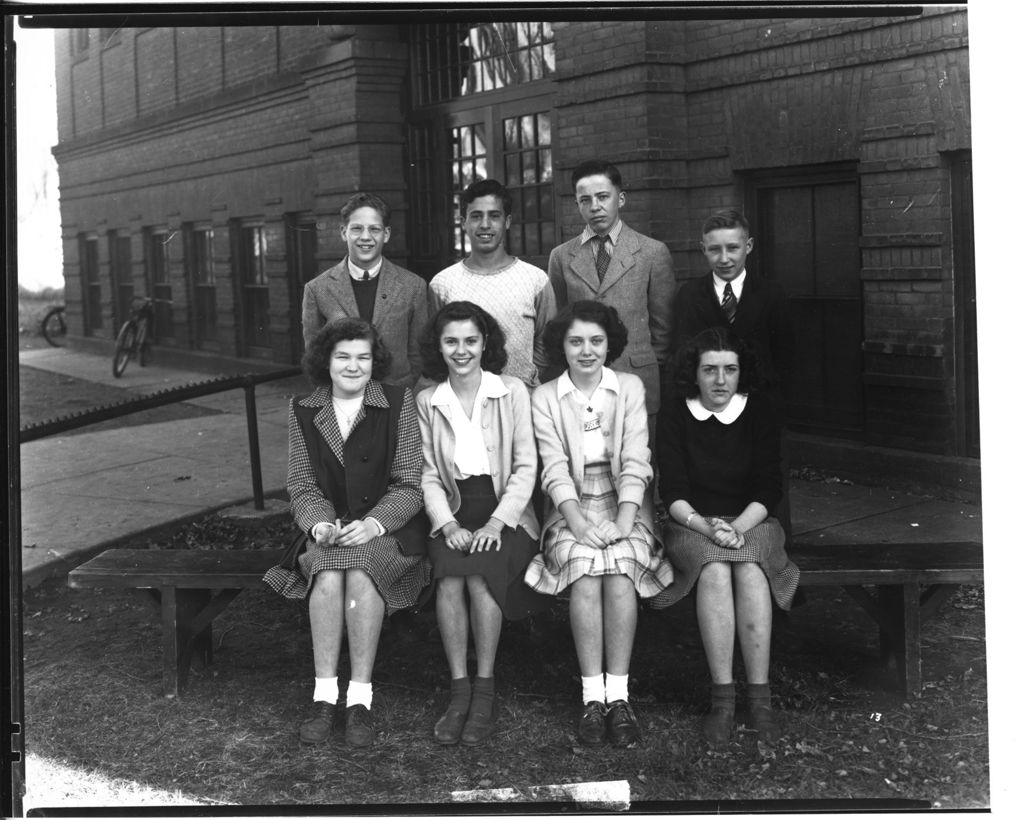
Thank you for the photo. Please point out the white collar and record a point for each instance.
(736, 282)
(356, 272)
(589, 233)
(609, 381)
(491, 387)
(727, 415)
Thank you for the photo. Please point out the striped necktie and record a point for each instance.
(729, 303)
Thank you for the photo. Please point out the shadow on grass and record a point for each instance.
(93, 700)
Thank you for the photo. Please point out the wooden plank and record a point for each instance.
(878, 563)
(183, 569)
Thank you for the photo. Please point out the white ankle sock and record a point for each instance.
(359, 693)
(593, 688)
(616, 687)
(326, 689)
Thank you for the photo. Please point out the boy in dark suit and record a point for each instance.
(757, 309)
(366, 285)
(614, 264)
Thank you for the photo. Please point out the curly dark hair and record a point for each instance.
(687, 360)
(317, 359)
(485, 187)
(585, 310)
(494, 357)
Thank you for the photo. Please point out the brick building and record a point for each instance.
(205, 166)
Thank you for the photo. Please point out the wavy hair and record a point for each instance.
(585, 310)
(717, 339)
(494, 357)
(317, 359)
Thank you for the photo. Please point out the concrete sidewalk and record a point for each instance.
(83, 493)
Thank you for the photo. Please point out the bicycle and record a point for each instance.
(54, 326)
(135, 336)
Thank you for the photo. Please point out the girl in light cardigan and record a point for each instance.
(479, 471)
(599, 531)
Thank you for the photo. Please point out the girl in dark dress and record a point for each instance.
(720, 479)
(479, 471)
(354, 460)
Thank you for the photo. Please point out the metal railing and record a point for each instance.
(173, 395)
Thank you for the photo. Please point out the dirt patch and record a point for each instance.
(93, 702)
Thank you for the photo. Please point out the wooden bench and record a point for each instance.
(912, 580)
(192, 588)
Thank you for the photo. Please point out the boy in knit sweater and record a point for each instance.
(517, 294)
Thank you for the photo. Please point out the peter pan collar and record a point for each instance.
(609, 381)
(491, 387)
(727, 415)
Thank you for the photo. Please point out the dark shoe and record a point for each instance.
(480, 723)
(316, 728)
(358, 726)
(716, 725)
(591, 728)
(763, 721)
(448, 730)
(623, 726)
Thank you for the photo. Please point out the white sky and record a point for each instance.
(39, 243)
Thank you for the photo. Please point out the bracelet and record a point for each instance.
(691, 515)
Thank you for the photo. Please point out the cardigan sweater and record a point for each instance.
(558, 426)
(511, 452)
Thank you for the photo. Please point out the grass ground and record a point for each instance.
(100, 732)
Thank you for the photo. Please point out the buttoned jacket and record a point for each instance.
(639, 283)
(399, 313)
(558, 427)
(361, 457)
(507, 428)
(762, 320)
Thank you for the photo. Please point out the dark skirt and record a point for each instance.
(764, 545)
(502, 570)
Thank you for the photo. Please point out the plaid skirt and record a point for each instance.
(764, 545)
(502, 570)
(399, 578)
(565, 560)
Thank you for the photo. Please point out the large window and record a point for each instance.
(807, 234)
(469, 58)
(483, 96)
(300, 247)
(92, 292)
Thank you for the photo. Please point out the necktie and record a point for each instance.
(729, 303)
(366, 276)
(603, 257)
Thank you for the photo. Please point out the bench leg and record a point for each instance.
(900, 635)
(179, 608)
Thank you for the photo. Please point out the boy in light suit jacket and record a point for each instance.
(612, 263)
(365, 285)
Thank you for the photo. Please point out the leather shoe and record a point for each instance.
(358, 726)
(623, 725)
(591, 726)
(716, 725)
(316, 727)
(448, 729)
(480, 723)
(763, 721)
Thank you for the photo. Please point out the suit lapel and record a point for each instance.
(582, 264)
(327, 423)
(342, 289)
